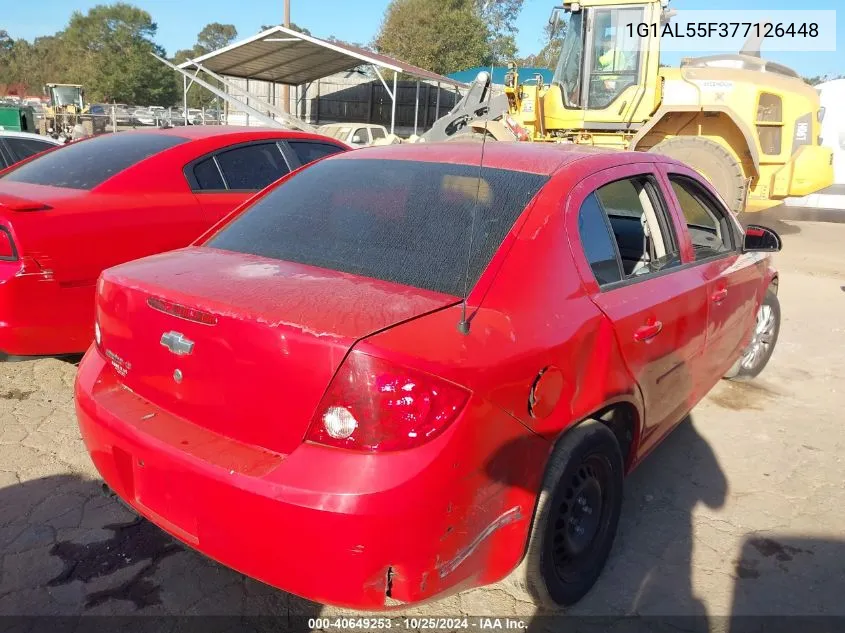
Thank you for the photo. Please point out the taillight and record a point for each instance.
(7, 246)
(373, 405)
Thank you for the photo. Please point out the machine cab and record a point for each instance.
(607, 70)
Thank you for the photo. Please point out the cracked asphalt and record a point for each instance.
(739, 512)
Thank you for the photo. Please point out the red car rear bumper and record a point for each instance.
(357, 530)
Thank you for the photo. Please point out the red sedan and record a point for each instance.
(307, 397)
(68, 214)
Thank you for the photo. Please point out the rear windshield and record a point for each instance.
(88, 163)
(401, 221)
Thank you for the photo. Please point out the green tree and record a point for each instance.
(500, 17)
(443, 36)
(818, 79)
(108, 50)
(215, 36)
(6, 42)
(293, 27)
(549, 54)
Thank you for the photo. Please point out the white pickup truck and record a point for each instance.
(359, 134)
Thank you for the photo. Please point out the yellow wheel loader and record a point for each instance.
(67, 115)
(750, 126)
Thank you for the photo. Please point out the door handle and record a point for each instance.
(720, 295)
(648, 332)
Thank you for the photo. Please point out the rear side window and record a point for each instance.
(24, 147)
(252, 167)
(709, 229)
(597, 241)
(208, 176)
(377, 133)
(86, 164)
(308, 152)
(401, 221)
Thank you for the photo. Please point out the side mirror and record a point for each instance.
(357, 140)
(759, 239)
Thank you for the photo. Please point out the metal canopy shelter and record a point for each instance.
(284, 56)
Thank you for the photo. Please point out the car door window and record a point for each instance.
(252, 167)
(208, 176)
(22, 148)
(308, 152)
(597, 241)
(709, 228)
(639, 224)
(378, 133)
(360, 137)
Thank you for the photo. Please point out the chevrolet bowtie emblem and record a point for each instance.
(177, 343)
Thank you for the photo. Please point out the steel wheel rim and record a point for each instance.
(581, 515)
(762, 340)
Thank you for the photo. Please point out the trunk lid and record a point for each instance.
(255, 341)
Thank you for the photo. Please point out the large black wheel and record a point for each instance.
(576, 517)
(758, 352)
(711, 160)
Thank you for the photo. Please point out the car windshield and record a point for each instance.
(568, 72)
(402, 221)
(88, 163)
(66, 95)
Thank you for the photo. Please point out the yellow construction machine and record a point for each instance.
(749, 125)
(67, 115)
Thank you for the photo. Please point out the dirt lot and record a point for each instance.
(739, 512)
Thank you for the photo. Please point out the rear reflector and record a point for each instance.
(7, 246)
(182, 311)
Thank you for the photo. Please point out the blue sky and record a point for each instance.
(179, 21)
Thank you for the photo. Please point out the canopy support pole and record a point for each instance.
(393, 109)
(279, 112)
(230, 99)
(417, 108)
(383, 82)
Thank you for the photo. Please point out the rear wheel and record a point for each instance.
(766, 329)
(712, 161)
(576, 517)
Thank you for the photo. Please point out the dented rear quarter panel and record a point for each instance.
(528, 312)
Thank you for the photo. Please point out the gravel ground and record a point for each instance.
(739, 512)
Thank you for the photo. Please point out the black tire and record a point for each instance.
(711, 160)
(582, 490)
(747, 367)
